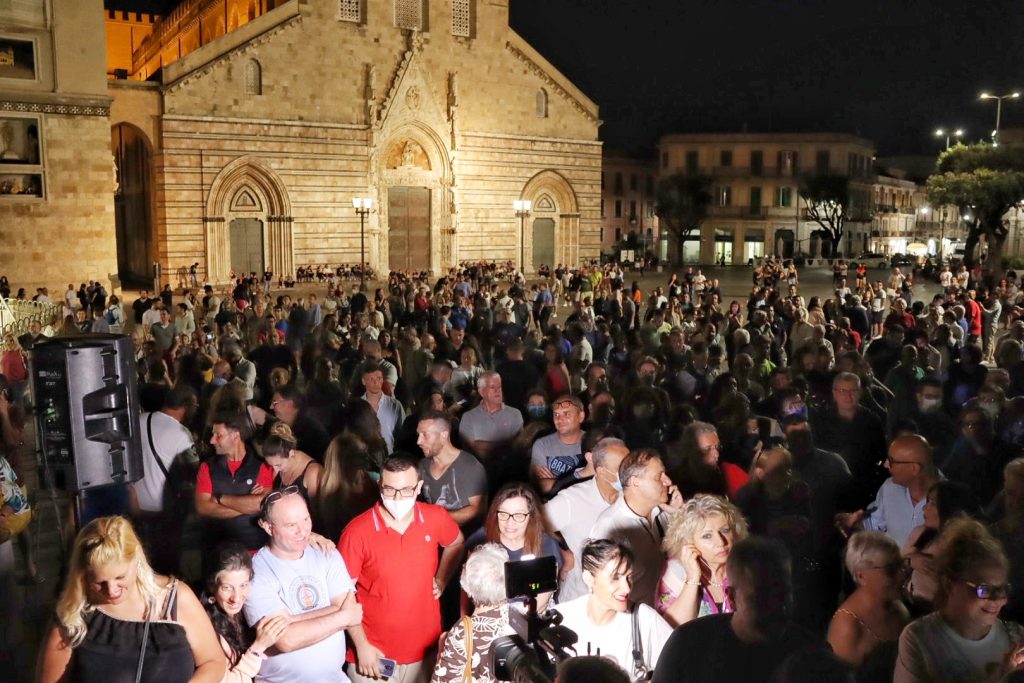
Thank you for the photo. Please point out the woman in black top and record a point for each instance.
(115, 613)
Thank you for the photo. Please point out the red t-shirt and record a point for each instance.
(205, 485)
(394, 577)
(735, 478)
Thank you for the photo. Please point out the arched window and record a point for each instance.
(253, 78)
(542, 103)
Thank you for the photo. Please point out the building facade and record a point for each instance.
(57, 178)
(260, 122)
(757, 209)
(628, 208)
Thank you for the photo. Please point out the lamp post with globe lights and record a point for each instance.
(522, 208)
(999, 109)
(363, 206)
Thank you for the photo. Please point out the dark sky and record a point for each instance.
(891, 70)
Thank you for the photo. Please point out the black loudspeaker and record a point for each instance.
(86, 397)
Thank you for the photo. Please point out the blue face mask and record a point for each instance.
(617, 484)
(537, 412)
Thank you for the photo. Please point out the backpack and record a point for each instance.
(111, 316)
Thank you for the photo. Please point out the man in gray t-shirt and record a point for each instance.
(560, 453)
(452, 478)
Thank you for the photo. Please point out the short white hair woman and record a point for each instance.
(468, 643)
(866, 627)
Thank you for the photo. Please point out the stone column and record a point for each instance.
(218, 249)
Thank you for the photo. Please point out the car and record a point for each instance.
(902, 260)
(873, 258)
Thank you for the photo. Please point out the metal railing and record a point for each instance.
(16, 314)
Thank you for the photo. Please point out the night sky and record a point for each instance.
(890, 70)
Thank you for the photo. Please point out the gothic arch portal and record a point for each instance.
(247, 188)
(413, 162)
(554, 200)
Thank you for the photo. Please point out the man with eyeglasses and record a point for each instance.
(561, 453)
(392, 553)
(899, 506)
(312, 587)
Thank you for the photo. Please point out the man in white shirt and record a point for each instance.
(389, 411)
(311, 587)
(166, 445)
(574, 510)
(647, 493)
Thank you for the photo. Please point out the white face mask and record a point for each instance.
(398, 507)
(929, 404)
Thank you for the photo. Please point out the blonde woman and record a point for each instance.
(698, 540)
(114, 613)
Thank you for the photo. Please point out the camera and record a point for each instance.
(540, 641)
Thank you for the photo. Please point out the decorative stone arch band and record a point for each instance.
(413, 155)
(248, 188)
(552, 196)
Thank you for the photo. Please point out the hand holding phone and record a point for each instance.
(386, 666)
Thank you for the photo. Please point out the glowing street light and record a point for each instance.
(999, 109)
(363, 206)
(957, 133)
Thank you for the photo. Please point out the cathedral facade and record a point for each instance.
(244, 129)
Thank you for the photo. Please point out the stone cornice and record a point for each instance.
(49, 103)
(551, 82)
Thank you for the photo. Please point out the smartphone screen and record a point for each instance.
(387, 667)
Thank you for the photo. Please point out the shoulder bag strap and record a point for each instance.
(152, 446)
(145, 641)
(467, 627)
(638, 647)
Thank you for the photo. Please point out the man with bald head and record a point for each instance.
(899, 505)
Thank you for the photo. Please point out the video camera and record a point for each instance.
(540, 641)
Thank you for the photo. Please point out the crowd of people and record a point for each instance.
(770, 489)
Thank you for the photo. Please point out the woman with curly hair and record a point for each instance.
(698, 540)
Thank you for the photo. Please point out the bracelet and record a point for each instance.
(217, 498)
(687, 582)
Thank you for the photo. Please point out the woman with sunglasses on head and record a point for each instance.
(291, 467)
(964, 639)
(515, 520)
(226, 591)
(865, 629)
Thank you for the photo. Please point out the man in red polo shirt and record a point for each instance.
(391, 552)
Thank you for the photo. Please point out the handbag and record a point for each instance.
(145, 641)
(467, 626)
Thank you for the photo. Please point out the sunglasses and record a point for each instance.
(988, 591)
(275, 496)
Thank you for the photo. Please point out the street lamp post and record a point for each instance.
(363, 206)
(999, 109)
(957, 133)
(522, 208)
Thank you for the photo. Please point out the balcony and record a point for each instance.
(748, 212)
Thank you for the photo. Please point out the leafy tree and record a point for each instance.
(984, 182)
(683, 203)
(827, 201)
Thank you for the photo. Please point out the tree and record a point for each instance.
(683, 202)
(827, 201)
(984, 182)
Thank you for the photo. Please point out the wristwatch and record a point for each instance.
(216, 497)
